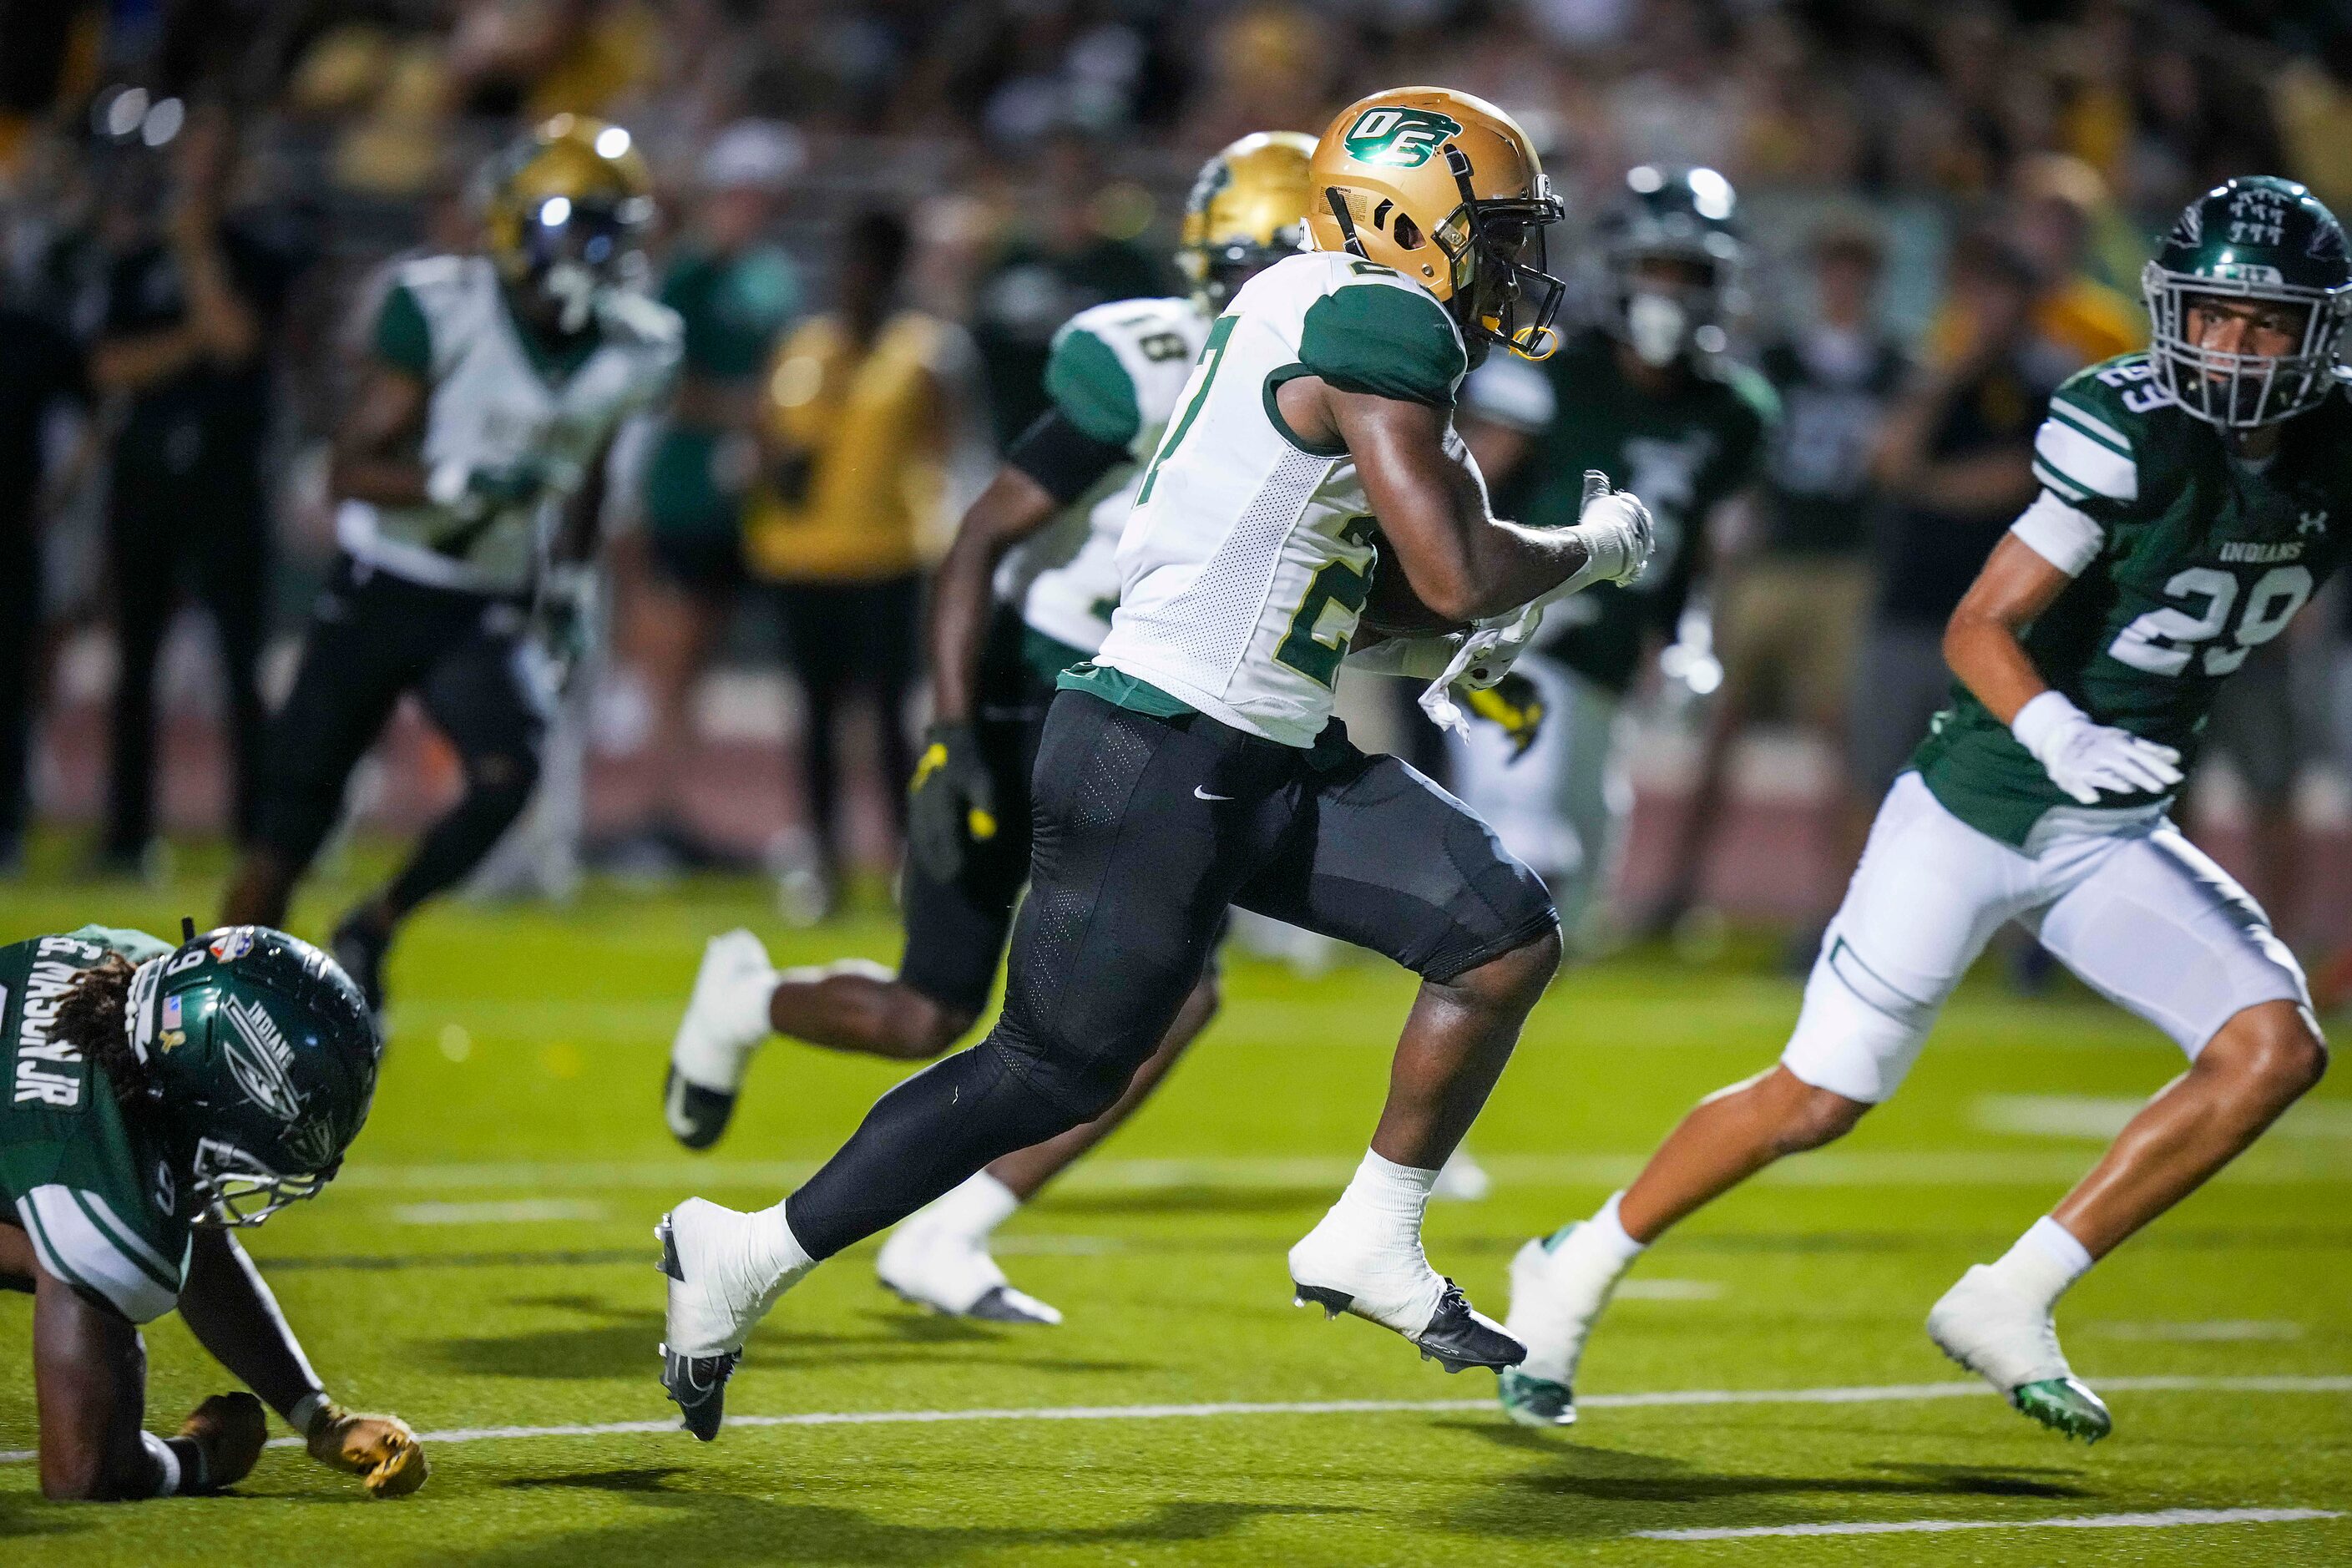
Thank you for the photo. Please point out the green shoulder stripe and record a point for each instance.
(402, 338)
(2091, 425)
(1091, 388)
(1385, 341)
(124, 1240)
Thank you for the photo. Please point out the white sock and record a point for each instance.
(2044, 1262)
(774, 1252)
(1388, 1198)
(1607, 1231)
(974, 1208)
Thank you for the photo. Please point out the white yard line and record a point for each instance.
(2268, 1164)
(516, 1211)
(1879, 1394)
(2164, 1518)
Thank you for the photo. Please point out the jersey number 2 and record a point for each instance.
(1336, 582)
(2162, 642)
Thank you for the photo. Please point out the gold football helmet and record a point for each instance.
(1446, 189)
(564, 208)
(1246, 212)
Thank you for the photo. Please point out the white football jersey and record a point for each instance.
(1249, 554)
(495, 400)
(1117, 371)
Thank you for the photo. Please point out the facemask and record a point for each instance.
(573, 286)
(1656, 326)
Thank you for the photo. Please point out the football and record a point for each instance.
(1393, 609)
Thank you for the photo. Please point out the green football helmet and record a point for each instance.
(262, 1059)
(1673, 214)
(2253, 237)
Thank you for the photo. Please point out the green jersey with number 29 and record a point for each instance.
(1248, 554)
(2185, 559)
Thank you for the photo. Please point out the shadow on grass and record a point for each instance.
(617, 1343)
(1559, 1498)
(24, 1515)
(716, 1529)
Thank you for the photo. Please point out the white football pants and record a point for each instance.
(2142, 915)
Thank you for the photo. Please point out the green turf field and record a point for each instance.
(485, 1263)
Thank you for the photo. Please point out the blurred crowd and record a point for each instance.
(1944, 211)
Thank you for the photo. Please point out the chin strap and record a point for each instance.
(1348, 242)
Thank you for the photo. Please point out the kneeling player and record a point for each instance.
(2189, 508)
(1193, 764)
(157, 1100)
(1025, 593)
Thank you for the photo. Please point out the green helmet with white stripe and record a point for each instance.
(2254, 239)
(261, 1058)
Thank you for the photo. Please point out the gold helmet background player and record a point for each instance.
(467, 479)
(564, 211)
(1247, 209)
(1447, 189)
(1025, 592)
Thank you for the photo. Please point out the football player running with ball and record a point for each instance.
(469, 472)
(1193, 764)
(2192, 501)
(1026, 592)
(156, 1101)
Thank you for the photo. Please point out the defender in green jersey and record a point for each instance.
(153, 1101)
(2192, 497)
(1646, 398)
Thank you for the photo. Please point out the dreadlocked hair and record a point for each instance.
(92, 1016)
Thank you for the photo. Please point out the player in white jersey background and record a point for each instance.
(1195, 764)
(468, 474)
(1024, 593)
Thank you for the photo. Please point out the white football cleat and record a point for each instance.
(1462, 1180)
(2012, 1343)
(1396, 1288)
(718, 1291)
(726, 1019)
(937, 1266)
(1559, 1286)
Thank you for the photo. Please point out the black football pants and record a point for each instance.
(371, 637)
(1146, 830)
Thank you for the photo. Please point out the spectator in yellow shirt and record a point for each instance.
(855, 435)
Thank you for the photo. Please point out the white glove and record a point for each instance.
(1617, 533)
(2086, 759)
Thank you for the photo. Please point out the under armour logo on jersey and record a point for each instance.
(2312, 521)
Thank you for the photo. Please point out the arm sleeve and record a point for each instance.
(1065, 462)
(1091, 388)
(1384, 341)
(2067, 536)
(401, 338)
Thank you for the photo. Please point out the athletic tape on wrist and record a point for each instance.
(308, 1411)
(167, 1461)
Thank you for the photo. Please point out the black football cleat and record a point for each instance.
(1456, 1335)
(697, 1385)
(697, 1116)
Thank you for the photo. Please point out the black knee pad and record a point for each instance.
(1079, 1084)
